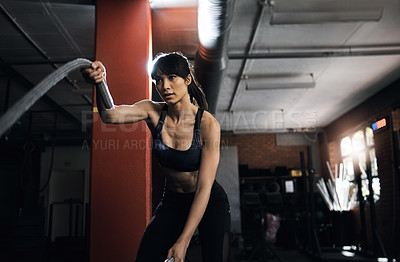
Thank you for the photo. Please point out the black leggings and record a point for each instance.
(169, 219)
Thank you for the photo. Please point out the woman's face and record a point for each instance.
(172, 88)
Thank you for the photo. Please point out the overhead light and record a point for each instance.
(279, 81)
(324, 17)
(348, 254)
(157, 4)
(314, 12)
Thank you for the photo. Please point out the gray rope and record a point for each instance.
(21, 106)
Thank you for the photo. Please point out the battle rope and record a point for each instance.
(20, 107)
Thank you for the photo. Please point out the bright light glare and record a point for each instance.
(358, 141)
(156, 4)
(348, 248)
(345, 146)
(348, 254)
(149, 66)
(208, 28)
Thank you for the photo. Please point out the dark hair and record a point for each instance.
(178, 64)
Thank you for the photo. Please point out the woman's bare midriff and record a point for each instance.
(180, 182)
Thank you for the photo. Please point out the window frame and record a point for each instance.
(368, 149)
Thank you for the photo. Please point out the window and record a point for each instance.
(361, 145)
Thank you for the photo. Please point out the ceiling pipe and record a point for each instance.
(249, 47)
(214, 24)
(326, 52)
(270, 53)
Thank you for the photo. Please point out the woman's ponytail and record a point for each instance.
(196, 93)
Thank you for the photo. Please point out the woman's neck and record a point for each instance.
(181, 111)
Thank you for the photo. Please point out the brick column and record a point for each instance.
(121, 154)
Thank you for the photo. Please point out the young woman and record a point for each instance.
(186, 142)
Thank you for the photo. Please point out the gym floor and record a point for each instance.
(281, 255)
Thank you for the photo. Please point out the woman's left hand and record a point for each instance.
(178, 252)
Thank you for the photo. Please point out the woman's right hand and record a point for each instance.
(95, 74)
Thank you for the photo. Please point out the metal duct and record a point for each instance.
(214, 23)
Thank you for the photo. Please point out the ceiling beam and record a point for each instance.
(74, 2)
(37, 62)
(70, 2)
(13, 22)
(325, 52)
(249, 47)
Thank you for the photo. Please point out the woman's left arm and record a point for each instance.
(211, 135)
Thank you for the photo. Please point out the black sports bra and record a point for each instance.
(179, 160)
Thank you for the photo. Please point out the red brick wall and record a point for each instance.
(334, 158)
(389, 198)
(259, 151)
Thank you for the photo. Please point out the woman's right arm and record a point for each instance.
(117, 114)
(123, 114)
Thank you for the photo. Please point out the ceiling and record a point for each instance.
(273, 47)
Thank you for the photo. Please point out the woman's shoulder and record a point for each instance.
(209, 124)
(153, 109)
(150, 105)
